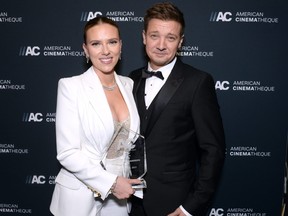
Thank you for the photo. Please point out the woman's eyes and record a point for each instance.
(112, 42)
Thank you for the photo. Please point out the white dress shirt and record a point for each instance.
(154, 84)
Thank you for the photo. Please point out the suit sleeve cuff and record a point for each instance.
(184, 211)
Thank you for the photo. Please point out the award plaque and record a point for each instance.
(138, 162)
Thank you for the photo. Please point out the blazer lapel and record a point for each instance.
(139, 91)
(126, 91)
(96, 94)
(97, 105)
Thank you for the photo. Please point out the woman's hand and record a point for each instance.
(177, 212)
(123, 187)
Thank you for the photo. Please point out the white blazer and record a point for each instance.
(84, 128)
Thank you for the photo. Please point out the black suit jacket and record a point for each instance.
(184, 141)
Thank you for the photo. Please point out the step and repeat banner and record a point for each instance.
(243, 44)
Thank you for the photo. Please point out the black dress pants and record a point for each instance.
(137, 207)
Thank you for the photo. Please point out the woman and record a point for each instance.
(95, 117)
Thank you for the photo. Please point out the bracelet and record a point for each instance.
(113, 185)
(95, 192)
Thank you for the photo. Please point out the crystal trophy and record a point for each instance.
(138, 162)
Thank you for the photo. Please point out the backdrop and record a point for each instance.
(242, 43)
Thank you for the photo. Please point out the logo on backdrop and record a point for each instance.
(14, 208)
(248, 151)
(117, 16)
(40, 179)
(221, 16)
(6, 18)
(217, 212)
(194, 51)
(12, 149)
(243, 86)
(241, 17)
(39, 117)
(9, 85)
(50, 51)
(235, 212)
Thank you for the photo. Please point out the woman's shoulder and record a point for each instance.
(67, 81)
(70, 84)
(74, 79)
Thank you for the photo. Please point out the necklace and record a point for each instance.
(110, 88)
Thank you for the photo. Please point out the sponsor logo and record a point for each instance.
(235, 212)
(5, 18)
(11, 149)
(86, 16)
(254, 17)
(221, 16)
(49, 51)
(241, 17)
(13, 208)
(243, 86)
(216, 212)
(247, 151)
(29, 51)
(34, 179)
(32, 117)
(117, 16)
(40, 179)
(38, 117)
(8, 85)
(243, 212)
(194, 51)
(222, 85)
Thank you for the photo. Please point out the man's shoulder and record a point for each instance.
(190, 70)
(192, 74)
(135, 73)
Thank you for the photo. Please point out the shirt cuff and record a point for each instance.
(185, 212)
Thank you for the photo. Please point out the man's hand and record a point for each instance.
(177, 212)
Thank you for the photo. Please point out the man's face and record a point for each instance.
(162, 40)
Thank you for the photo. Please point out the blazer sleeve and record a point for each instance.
(69, 140)
(211, 142)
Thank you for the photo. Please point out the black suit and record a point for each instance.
(182, 127)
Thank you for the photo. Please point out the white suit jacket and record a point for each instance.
(84, 128)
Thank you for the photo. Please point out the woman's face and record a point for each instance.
(103, 47)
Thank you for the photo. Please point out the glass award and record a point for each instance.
(138, 164)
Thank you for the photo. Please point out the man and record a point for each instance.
(180, 120)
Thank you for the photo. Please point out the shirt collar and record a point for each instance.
(166, 70)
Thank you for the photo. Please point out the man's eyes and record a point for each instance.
(169, 38)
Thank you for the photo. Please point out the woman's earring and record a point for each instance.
(87, 59)
(120, 56)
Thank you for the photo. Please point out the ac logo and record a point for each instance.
(86, 16)
(32, 117)
(221, 16)
(35, 179)
(29, 51)
(216, 212)
(224, 85)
